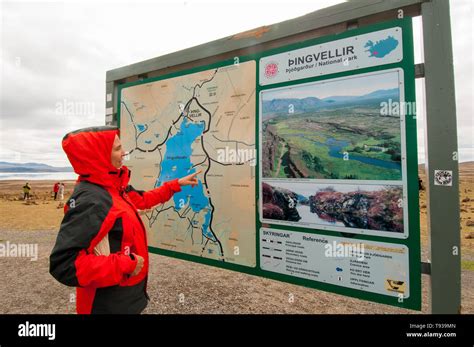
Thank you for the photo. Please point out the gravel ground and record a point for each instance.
(177, 286)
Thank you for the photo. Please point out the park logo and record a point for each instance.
(381, 48)
(271, 69)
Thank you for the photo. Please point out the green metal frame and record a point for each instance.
(440, 131)
(413, 240)
(441, 154)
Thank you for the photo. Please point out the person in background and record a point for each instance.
(420, 184)
(26, 191)
(61, 191)
(55, 190)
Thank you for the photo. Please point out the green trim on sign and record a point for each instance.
(413, 240)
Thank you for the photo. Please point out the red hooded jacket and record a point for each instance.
(103, 204)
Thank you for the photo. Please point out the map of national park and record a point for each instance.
(201, 121)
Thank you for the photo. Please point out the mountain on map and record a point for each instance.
(310, 104)
(31, 167)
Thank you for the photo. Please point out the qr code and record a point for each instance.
(443, 178)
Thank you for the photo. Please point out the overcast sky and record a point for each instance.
(55, 54)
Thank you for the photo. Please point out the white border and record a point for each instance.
(334, 182)
(364, 61)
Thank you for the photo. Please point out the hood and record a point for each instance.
(89, 151)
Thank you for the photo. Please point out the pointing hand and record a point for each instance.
(189, 180)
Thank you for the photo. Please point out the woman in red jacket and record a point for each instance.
(101, 247)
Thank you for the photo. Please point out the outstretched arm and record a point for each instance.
(147, 199)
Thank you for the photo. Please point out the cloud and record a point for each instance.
(462, 37)
(55, 55)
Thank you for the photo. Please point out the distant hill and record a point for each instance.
(31, 167)
(309, 104)
(300, 105)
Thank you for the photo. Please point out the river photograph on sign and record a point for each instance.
(350, 207)
(334, 129)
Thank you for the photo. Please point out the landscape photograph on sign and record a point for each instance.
(344, 128)
(352, 208)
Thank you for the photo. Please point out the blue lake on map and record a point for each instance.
(177, 163)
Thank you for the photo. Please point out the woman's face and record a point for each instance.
(117, 153)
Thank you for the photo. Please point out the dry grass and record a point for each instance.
(27, 286)
(466, 189)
